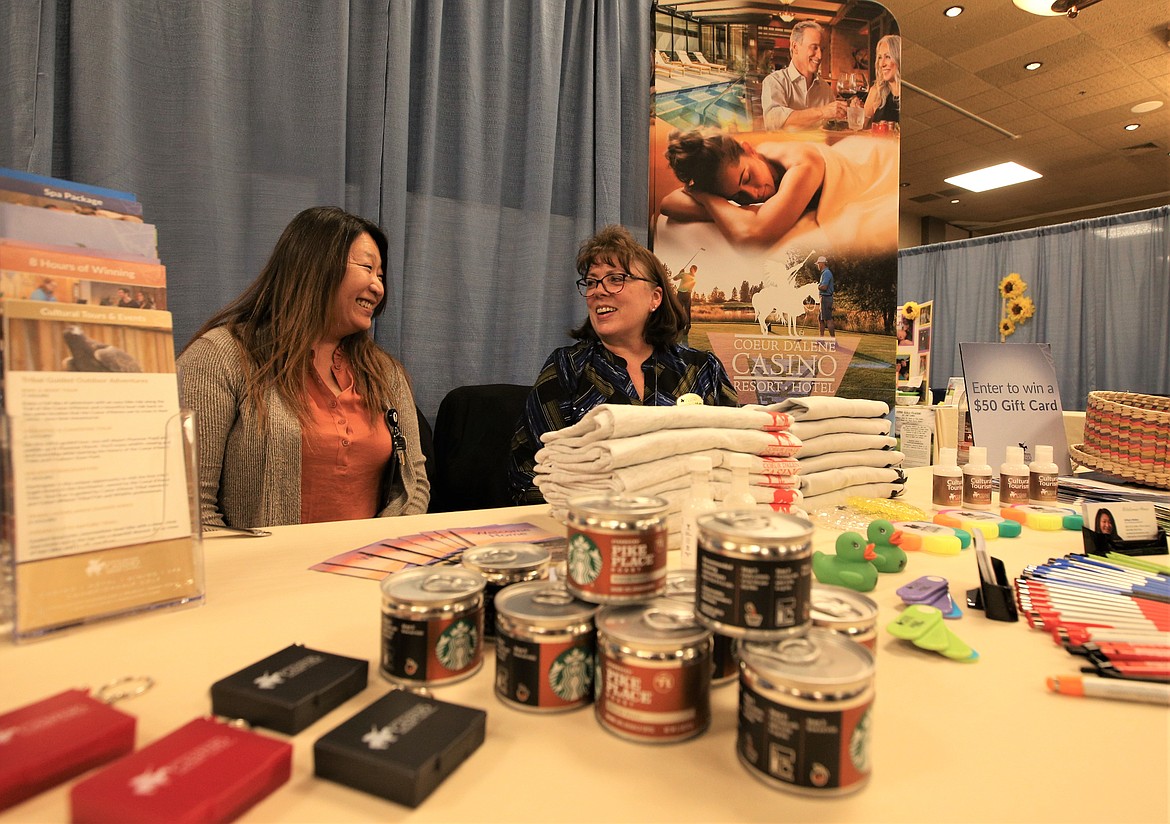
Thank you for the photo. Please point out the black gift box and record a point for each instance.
(401, 747)
(290, 690)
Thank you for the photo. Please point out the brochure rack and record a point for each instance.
(69, 584)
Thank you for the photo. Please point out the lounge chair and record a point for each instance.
(661, 65)
(687, 63)
(705, 62)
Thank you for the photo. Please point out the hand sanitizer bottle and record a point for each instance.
(740, 496)
(948, 480)
(1043, 474)
(1013, 478)
(700, 501)
(977, 480)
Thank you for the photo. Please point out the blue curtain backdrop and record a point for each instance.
(488, 139)
(1101, 289)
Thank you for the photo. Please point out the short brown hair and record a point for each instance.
(615, 245)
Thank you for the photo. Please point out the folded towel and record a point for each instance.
(556, 494)
(761, 471)
(624, 421)
(844, 442)
(861, 457)
(861, 426)
(819, 407)
(818, 483)
(840, 496)
(604, 456)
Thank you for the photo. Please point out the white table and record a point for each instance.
(952, 742)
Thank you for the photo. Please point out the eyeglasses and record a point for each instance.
(613, 283)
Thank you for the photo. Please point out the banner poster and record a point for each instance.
(776, 217)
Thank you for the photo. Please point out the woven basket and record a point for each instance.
(1127, 435)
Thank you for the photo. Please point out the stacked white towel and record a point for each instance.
(640, 450)
(846, 449)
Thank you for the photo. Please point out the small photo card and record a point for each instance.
(1127, 520)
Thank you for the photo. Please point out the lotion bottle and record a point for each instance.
(740, 496)
(977, 480)
(948, 480)
(1014, 478)
(700, 501)
(1042, 476)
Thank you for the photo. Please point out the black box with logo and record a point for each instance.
(401, 747)
(290, 690)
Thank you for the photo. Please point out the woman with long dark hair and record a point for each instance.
(301, 417)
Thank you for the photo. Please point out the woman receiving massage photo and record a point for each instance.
(756, 194)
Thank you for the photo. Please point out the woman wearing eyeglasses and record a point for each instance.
(627, 352)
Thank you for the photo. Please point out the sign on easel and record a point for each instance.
(1014, 399)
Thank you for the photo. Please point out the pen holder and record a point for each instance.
(994, 597)
(1098, 544)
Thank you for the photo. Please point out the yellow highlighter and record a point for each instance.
(989, 523)
(1046, 518)
(924, 536)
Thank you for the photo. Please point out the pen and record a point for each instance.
(1145, 691)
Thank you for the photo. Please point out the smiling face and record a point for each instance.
(620, 320)
(360, 290)
(886, 67)
(750, 179)
(806, 55)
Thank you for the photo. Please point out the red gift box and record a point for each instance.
(53, 740)
(204, 771)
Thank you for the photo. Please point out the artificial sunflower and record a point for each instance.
(910, 310)
(1021, 309)
(1012, 286)
(1006, 327)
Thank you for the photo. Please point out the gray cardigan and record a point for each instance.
(252, 478)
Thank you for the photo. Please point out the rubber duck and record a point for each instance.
(886, 540)
(850, 567)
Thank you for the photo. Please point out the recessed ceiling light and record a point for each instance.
(993, 177)
(953, 11)
(956, 200)
(1148, 106)
(1035, 64)
(1132, 127)
(904, 184)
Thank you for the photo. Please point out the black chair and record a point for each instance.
(473, 438)
(426, 439)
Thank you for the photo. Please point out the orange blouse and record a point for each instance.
(343, 451)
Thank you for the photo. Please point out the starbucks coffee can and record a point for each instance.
(617, 548)
(432, 626)
(502, 565)
(545, 647)
(653, 672)
(804, 712)
(845, 611)
(754, 573)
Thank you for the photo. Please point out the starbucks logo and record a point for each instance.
(571, 674)
(457, 645)
(584, 560)
(859, 744)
